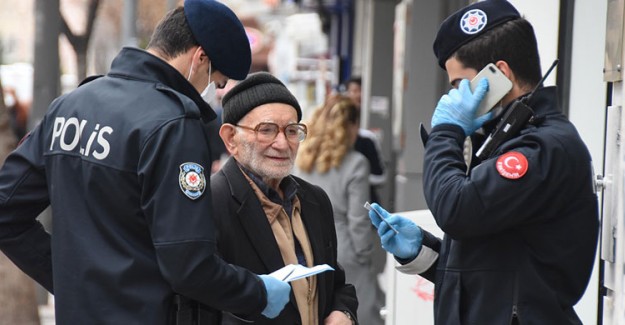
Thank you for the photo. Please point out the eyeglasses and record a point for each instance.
(267, 132)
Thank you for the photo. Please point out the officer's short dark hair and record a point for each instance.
(172, 36)
(514, 42)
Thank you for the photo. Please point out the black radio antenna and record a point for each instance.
(527, 98)
(515, 118)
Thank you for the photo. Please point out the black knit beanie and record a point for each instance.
(257, 89)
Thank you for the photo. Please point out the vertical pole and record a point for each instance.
(46, 78)
(46, 81)
(129, 26)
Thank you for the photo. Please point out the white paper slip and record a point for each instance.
(293, 272)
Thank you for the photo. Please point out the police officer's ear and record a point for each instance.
(198, 56)
(191, 67)
(518, 89)
(202, 58)
(505, 68)
(227, 133)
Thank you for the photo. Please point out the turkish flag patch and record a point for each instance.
(512, 165)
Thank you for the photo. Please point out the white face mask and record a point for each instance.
(209, 94)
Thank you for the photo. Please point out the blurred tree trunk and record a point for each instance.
(80, 43)
(46, 79)
(18, 303)
(7, 137)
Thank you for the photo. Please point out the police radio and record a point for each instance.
(515, 118)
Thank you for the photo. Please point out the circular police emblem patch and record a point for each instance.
(512, 165)
(473, 21)
(192, 180)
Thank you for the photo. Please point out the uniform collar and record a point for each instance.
(543, 102)
(136, 63)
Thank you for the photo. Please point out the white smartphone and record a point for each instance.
(498, 86)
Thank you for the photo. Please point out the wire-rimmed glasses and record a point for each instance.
(267, 131)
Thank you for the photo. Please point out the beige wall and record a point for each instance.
(17, 28)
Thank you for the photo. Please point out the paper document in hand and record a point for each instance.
(293, 272)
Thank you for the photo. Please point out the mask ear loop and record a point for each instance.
(190, 71)
(210, 67)
(191, 68)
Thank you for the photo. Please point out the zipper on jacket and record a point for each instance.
(515, 316)
(515, 301)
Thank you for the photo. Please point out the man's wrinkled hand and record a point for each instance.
(337, 318)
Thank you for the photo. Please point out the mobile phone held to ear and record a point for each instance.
(498, 86)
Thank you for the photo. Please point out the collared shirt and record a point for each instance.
(289, 188)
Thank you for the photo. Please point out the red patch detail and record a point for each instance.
(512, 165)
(473, 20)
(24, 138)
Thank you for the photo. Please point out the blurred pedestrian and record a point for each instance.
(328, 159)
(367, 142)
(18, 109)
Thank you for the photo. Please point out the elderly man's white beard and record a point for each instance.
(254, 161)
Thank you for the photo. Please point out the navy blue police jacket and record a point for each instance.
(519, 247)
(123, 162)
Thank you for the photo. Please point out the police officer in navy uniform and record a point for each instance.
(123, 163)
(520, 223)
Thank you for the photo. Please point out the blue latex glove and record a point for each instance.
(458, 107)
(278, 294)
(406, 243)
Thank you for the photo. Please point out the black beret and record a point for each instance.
(259, 88)
(221, 35)
(468, 23)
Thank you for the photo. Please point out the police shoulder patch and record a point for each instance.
(512, 165)
(192, 180)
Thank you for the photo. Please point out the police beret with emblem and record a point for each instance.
(257, 89)
(221, 35)
(469, 23)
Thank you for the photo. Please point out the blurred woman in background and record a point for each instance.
(327, 158)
